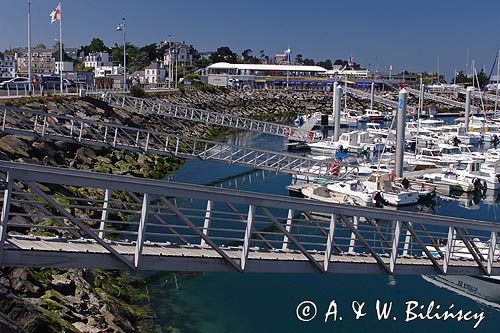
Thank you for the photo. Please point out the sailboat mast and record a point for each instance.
(496, 81)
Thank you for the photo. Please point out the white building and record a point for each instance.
(155, 73)
(104, 71)
(7, 66)
(67, 66)
(99, 59)
(223, 73)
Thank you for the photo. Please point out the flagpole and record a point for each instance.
(30, 87)
(60, 51)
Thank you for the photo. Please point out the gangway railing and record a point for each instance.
(379, 99)
(150, 106)
(63, 218)
(61, 127)
(440, 99)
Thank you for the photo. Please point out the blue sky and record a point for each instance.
(407, 34)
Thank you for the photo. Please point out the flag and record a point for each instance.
(55, 15)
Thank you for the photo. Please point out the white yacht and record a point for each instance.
(353, 188)
(394, 194)
(450, 181)
(488, 178)
(355, 141)
(322, 193)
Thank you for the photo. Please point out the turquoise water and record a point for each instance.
(233, 302)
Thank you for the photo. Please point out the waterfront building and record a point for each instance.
(155, 73)
(105, 71)
(43, 61)
(7, 66)
(98, 59)
(224, 74)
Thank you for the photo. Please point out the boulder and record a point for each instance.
(13, 145)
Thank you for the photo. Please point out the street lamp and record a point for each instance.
(121, 27)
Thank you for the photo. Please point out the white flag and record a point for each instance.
(55, 15)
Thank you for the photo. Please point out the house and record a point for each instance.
(178, 53)
(205, 55)
(7, 66)
(281, 58)
(138, 77)
(155, 73)
(43, 61)
(98, 59)
(105, 71)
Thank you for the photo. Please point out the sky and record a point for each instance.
(409, 35)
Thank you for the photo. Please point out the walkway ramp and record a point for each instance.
(66, 128)
(118, 222)
(150, 106)
(440, 99)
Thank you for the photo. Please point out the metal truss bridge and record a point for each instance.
(441, 99)
(63, 218)
(51, 126)
(149, 106)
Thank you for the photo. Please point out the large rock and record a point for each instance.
(14, 146)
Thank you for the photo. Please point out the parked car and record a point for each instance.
(15, 83)
(69, 83)
(53, 82)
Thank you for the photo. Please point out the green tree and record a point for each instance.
(327, 64)
(298, 59)
(40, 46)
(97, 45)
(482, 78)
(308, 62)
(460, 77)
(224, 54)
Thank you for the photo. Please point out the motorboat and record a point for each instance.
(394, 194)
(355, 142)
(449, 181)
(375, 115)
(322, 193)
(354, 189)
(487, 179)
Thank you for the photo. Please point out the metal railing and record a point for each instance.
(60, 127)
(440, 99)
(53, 217)
(379, 99)
(143, 105)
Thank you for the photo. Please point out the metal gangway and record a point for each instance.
(52, 126)
(150, 106)
(440, 99)
(64, 218)
(379, 99)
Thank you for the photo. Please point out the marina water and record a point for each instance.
(234, 302)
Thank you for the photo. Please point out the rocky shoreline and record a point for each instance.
(42, 300)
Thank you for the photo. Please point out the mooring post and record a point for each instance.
(400, 132)
(336, 112)
(372, 95)
(468, 93)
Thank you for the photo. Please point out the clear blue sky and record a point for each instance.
(407, 34)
